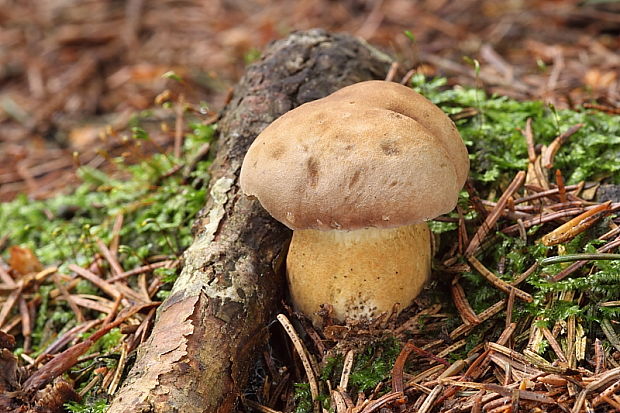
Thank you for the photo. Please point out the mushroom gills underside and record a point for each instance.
(360, 273)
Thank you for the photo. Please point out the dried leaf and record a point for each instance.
(23, 261)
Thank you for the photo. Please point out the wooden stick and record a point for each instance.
(576, 225)
(544, 193)
(305, 360)
(576, 265)
(549, 154)
(144, 268)
(462, 304)
(178, 127)
(346, 370)
(497, 282)
(492, 218)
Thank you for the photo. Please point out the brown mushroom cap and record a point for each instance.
(374, 154)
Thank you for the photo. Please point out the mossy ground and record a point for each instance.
(493, 132)
(158, 210)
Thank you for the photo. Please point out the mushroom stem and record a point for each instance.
(360, 273)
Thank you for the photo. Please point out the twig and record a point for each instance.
(103, 285)
(120, 366)
(454, 369)
(90, 385)
(536, 169)
(65, 360)
(100, 306)
(428, 354)
(610, 333)
(554, 344)
(462, 305)
(610, 234)
(529, 139)
(550, 217)
(509, 308)
(430, 399)
(392, 72)
(346, 370)
(475, 200)
(525, 275)
(602, 108)
(67, 297)
(613, 401)
(110, 257)
(497, 282)
(144, 268)
(113, 291)
(26, 323)
(577, 225)
(257, 406)
(339, 402)
(576, 265)
(382, 401)
(196, 157)
(407, 78)
(8, 304)
(502, 66)
(425, 374)
(477, 407)
(492, 218)
(552, 149)
(485, 315)
(142, 330)
(116, 235)
(463, 238)
(579, 257)
(178, 126)
(503, 390)
(606, 393)
(541, 193)
(559, 181)
(67, 337)
(604, 379)
(452, 348)
(113, 310)
(399, 366)
(6, 277)
(305, 360)
(599, 356)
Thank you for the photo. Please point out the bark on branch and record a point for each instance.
(211, 327)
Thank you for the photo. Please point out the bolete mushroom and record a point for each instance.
(356, 175)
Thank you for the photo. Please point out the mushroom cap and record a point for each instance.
(373, 154)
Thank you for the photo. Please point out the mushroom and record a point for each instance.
(356, 175)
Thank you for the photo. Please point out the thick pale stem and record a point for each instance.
(360, 273)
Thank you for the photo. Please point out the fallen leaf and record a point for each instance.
(23, 261)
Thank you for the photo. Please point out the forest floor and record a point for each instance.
(70, 70)
(75, 76)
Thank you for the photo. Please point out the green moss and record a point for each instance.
(99, 406)
(303, 398)
(158, 211)
(374, 364)
(498, 149)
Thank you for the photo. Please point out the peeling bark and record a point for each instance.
(210, 329)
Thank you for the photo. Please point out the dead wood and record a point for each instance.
(209, 331)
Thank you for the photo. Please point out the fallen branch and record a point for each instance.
(210, 329)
